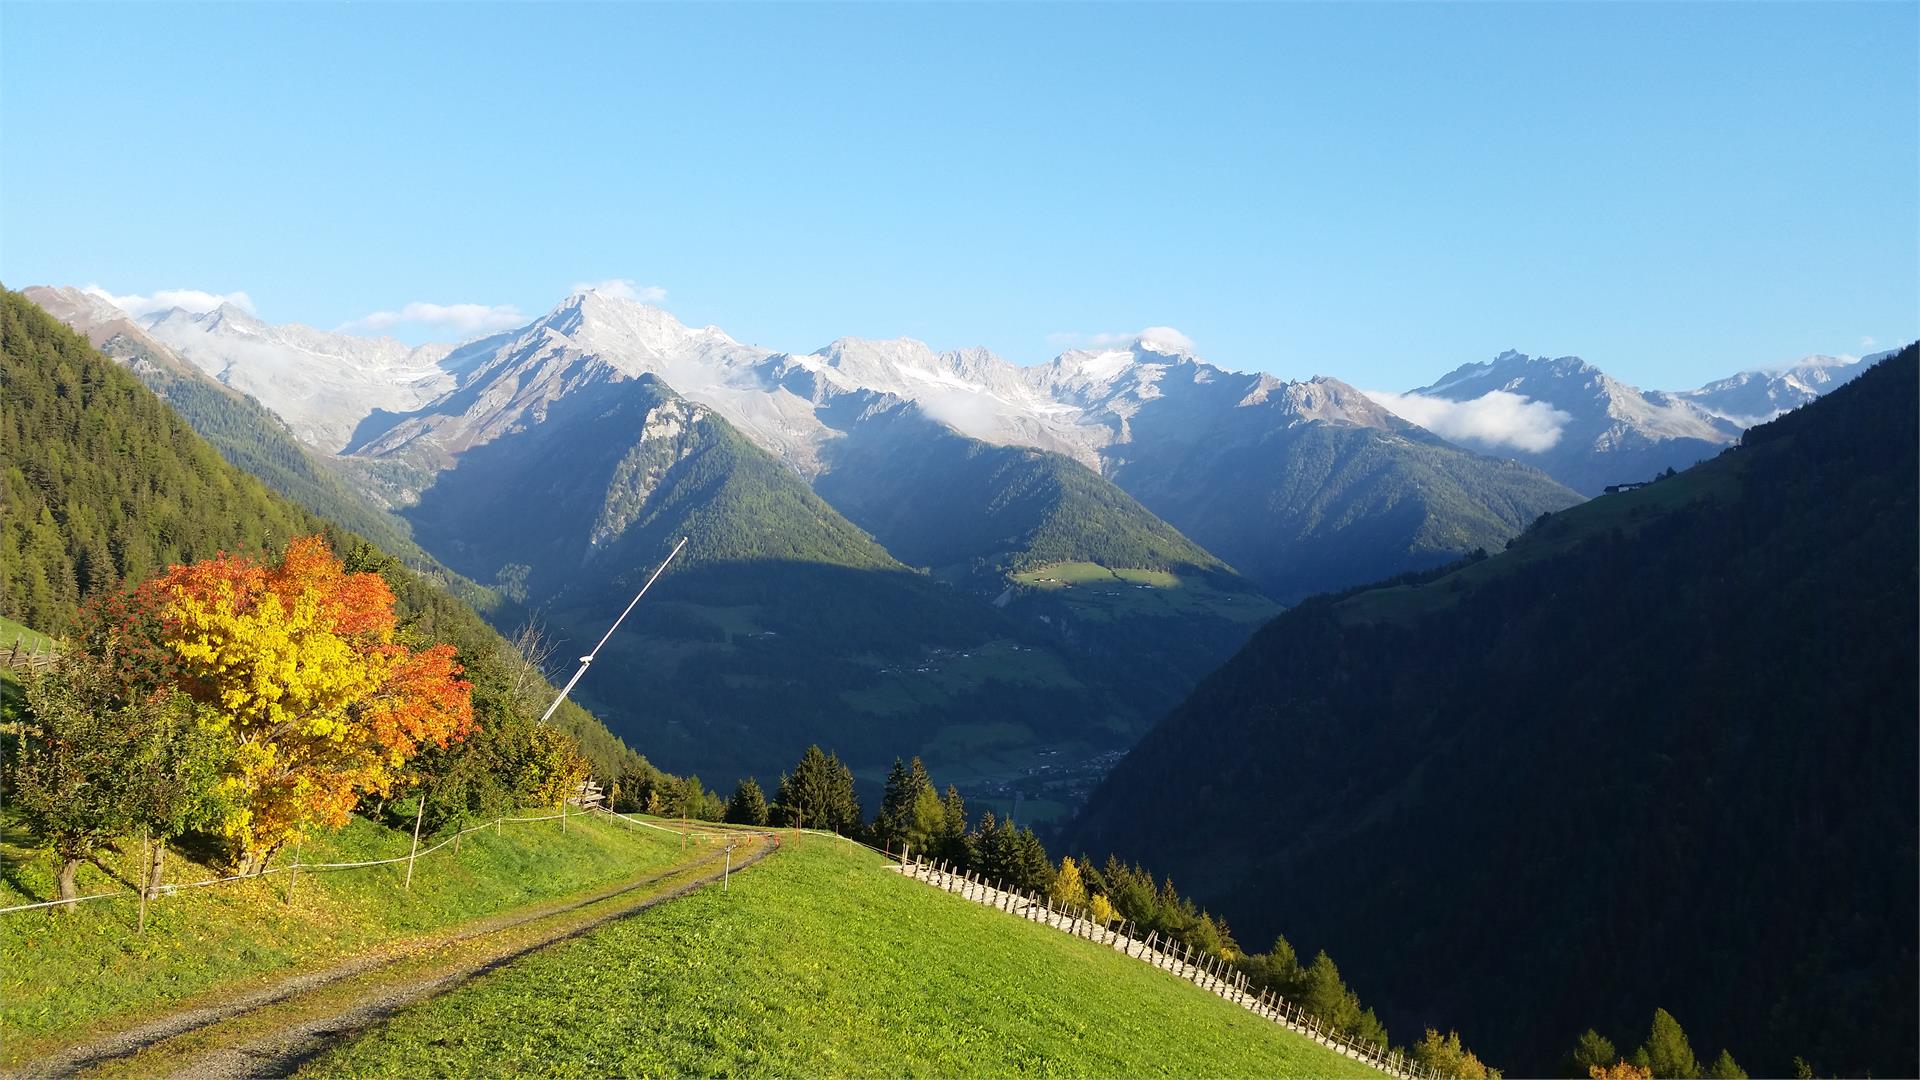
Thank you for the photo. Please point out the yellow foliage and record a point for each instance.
(298, 666)
(1069, 889)
(1446, 1056)
(1619, 1070)
(1102, 909)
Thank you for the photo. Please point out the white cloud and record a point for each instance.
(965, 411)
(1495, 419)
(1165, 337)
(624, 289)
(1867, 343)
(194, 300)
(464, 319)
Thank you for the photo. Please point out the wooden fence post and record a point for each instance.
(415, 851)
(146, 867)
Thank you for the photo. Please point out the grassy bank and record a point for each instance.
(821, 963)
(61, 975)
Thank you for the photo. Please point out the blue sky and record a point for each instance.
(1370, 191)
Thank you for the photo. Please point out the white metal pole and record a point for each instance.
(588, 659)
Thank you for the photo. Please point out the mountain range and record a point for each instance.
(1656, 753)
(1034, 561)
(1589, 430)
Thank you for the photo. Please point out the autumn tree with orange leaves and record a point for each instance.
(299, 665)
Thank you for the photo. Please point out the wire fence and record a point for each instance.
(1209, 972)
(163, 889)
(1205, 970)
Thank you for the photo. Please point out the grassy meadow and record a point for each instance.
(820, 962)
(62, 974)
(1097, 593)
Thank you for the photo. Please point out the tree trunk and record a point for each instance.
(156, 867)
(68, 891)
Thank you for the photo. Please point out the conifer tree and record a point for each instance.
(1448, 1057)
(927, 822)
(819, 794)
(953, 844)
(1667, 1051)
(1725, 1068)
(1593, 1050)
(895, 820)
(1027, 864)
(988, 857)
(748, 806)
(1323, 992)
(896, 800)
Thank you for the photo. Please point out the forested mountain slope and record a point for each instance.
(783, 623)
(1051, 542)
(1660, 752)
(245, 432)
(1317, 489)
(102, 483)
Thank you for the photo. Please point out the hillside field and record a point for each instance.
(65, 976)
(821, 962)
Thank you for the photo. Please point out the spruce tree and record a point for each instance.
(985, 843)
(895, 820)
(1593, 1051)
(1323, 993)
(953, 844)
(1725, 1068)
(819, 794)
(748, 806)
(1667, 1051)
(1027, 865)
(896, 803)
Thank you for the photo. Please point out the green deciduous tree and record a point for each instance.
(102, 758)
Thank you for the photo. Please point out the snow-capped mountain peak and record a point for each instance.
(1756, 396)
(593, 321)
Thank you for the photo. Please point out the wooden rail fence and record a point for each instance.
(1208, 972)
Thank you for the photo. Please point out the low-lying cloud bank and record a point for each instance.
(462, 319)
(1496, 419)
(198, 301)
